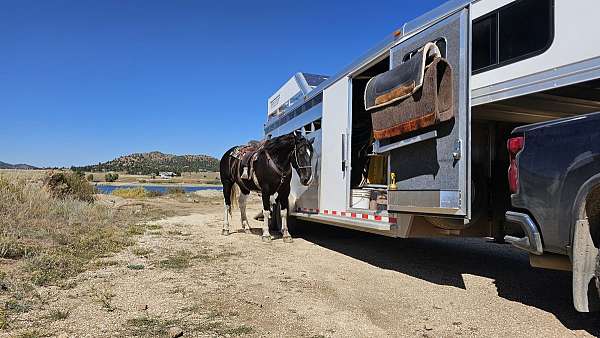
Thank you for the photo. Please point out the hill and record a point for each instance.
(4, 165)
(153, 162)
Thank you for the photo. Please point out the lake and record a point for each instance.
(108, 189)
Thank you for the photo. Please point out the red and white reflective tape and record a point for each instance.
(308, 210)
(348, 214)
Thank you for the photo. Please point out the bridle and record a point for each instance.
(296, 157)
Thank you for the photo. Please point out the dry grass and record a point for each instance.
(146, 326)
(142, 252)
(131, 192)
(177, 261)
(58, 314)
(46, 238)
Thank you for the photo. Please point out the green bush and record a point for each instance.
(90, 177)
(111, 177)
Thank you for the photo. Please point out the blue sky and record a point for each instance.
(86, 81)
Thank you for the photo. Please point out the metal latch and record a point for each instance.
(457, 153)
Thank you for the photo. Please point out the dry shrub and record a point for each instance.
(50, 232)
(138, 192)
(63, 185)
(53, 229)
(175, 191)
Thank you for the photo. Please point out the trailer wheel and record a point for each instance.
(479, 193)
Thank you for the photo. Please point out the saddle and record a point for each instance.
(414, 95)
(247, 155)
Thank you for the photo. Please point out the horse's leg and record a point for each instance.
(227, 186)
(287, 238)
(242, 201)
(266, 236)
(284, 206)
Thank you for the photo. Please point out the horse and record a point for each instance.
(272, 162)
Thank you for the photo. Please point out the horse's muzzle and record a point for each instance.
(307, 182)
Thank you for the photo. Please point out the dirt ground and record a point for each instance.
(183, 275)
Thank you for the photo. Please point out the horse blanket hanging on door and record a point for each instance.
(414, 95)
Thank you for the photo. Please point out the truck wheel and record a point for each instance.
(598, 274)
(593, 213)
(586, 269)
(479, 193)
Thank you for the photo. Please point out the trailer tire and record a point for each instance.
(479, 191)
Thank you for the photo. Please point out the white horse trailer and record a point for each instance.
(514, 63)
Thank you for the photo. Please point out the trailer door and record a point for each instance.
(334, 136)
(432, 166)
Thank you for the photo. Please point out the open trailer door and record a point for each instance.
(421, 118)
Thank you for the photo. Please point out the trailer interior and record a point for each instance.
(368, 172)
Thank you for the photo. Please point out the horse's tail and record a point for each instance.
(235, 193)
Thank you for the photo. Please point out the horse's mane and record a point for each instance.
(279, 141)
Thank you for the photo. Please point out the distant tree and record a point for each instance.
(111, 177)
(78, 172)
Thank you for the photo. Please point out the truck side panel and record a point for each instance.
(558, 157)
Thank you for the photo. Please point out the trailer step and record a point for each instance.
(361, 224)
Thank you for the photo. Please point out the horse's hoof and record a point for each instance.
(287, 239)
(266, 239)
(225, 232)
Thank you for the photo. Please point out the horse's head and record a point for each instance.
(302, 158)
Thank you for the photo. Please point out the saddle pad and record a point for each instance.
(402, 81)
(430, 104)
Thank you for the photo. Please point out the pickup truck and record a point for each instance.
(554, 181)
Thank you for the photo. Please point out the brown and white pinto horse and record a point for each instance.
(272, 165)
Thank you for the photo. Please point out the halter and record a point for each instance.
(296, 157)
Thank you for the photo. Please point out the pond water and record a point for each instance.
(108, 189)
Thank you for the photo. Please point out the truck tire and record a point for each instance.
(586, 269)
(593, 214)
(598, 275)
(479, 193)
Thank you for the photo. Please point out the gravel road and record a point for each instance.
(329, 282)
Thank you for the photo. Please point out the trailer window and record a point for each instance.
(285, 118)
(317, 124)
(484, 42)
(312, 127)
(515, 32)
